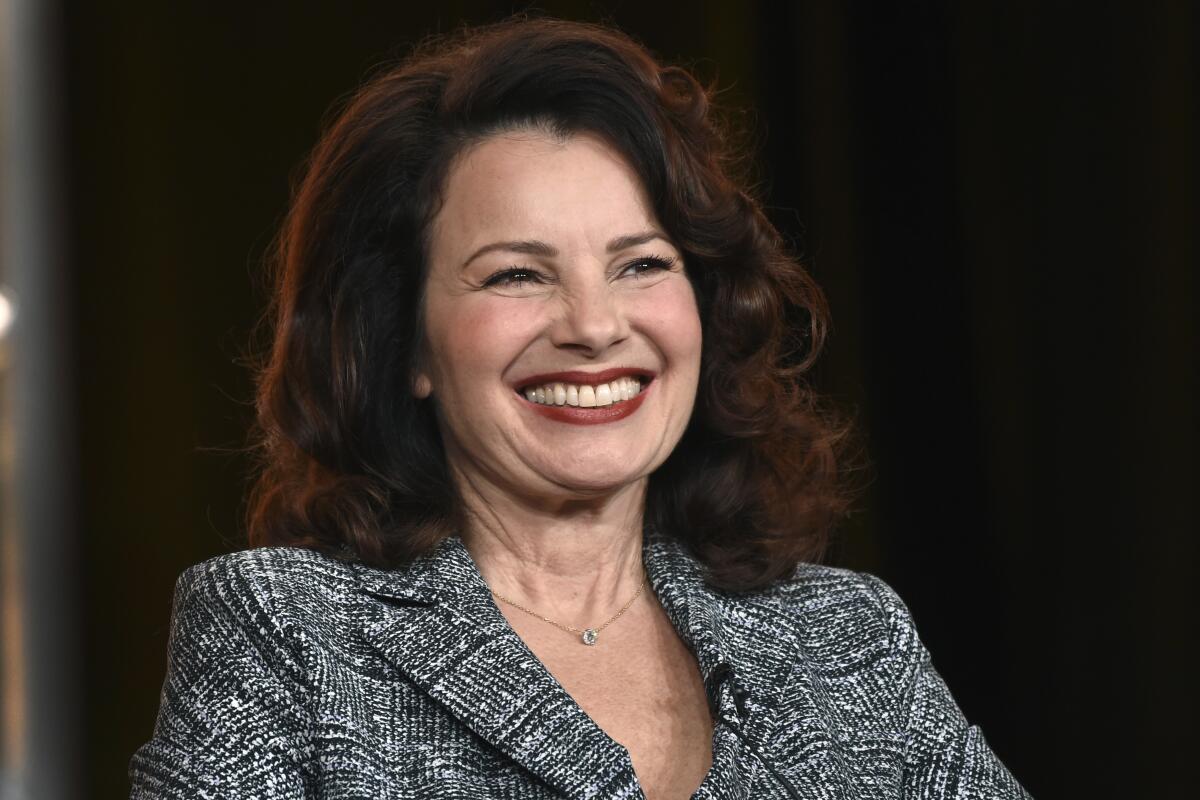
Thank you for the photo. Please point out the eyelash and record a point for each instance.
(522, 275)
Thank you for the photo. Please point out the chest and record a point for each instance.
(642, 687)
(413, 711)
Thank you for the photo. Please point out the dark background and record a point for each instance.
(1000, 203)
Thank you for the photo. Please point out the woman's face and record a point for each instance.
(550, 277)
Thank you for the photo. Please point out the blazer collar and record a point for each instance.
(435, 621)
(744, 643)
(752, 653)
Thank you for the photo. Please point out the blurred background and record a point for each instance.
(999, 199)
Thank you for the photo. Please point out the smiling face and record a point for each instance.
(549, 277)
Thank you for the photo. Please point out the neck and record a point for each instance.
(572, 559)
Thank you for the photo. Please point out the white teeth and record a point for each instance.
(582, 395)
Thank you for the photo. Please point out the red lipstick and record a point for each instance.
(577, 415)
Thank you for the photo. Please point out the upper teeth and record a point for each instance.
(584, 395)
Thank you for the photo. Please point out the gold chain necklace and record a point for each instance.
(589, 636)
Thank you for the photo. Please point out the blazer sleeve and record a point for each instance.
(232, 720)
(945, 756)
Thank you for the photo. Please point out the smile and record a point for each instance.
(584, 395)
(582, 399)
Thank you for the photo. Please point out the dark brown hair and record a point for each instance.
(352, 463)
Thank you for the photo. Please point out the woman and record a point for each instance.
(542, 475)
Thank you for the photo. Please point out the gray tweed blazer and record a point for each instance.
(294, 675)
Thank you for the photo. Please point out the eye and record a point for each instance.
(648, 264)
(515, 277)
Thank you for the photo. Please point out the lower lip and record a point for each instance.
(575, 415)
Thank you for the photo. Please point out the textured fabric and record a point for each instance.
(294, 675)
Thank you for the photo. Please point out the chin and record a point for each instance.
(591, 483)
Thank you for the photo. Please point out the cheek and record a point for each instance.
(477, 338)
(674, 318)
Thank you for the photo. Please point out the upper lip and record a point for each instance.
(580, 377)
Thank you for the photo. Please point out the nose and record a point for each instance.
(592, 319)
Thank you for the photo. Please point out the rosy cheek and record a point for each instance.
(671, 310)
(484, 336)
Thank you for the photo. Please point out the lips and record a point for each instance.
(630, 387)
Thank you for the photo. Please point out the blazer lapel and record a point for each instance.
(435, 620)
(754, 667)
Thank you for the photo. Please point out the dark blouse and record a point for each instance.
(294, 675)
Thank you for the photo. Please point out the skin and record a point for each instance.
(554, 510)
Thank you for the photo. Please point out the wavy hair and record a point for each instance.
(352, 464)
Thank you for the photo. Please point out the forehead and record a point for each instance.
(529, 184)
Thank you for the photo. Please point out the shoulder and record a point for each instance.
(272, 574)
(843, 615)
(268, 574)
(235, 706)
(268, 592)
(813, 587)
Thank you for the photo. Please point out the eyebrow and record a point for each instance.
(534, 247)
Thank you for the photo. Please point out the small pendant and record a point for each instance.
(589, 636)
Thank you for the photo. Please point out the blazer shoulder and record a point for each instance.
(844, 615)
(270, 572)
(817, 585)
(266, 560)
(235, 706)
(270, 588)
